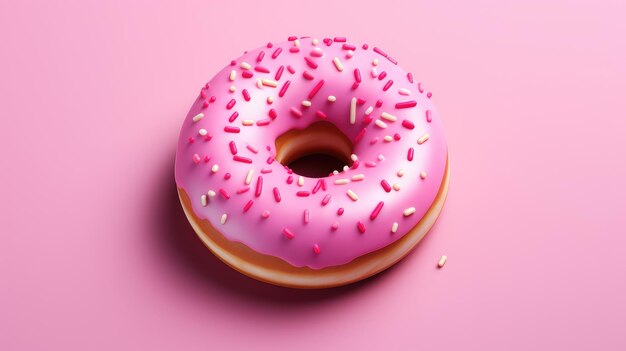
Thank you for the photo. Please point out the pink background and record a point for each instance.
(96, 252)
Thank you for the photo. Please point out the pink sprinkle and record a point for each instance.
(290, 69)
(191, 140)
(357, 75)
(288, 233)
(303, 193)
(273, 113)
(276, 52)
(270, 160)
(406, 104)
(205, 104)
(380, 52)
(316, 249)
(317, 186)
(296, 112)
(377, 210)
(310, 62)
(294, 49)
(263, 122)
(227, 176)
(224, 193)
(207, 159)
(252, 149)
(292, 38)
(396, 137)
(233, 117)
(360, 101)
(307, 75)
(208, 137)
(361, 227)
(289, 179)
(326, 200)
(277, 195)
(230, 104)
(212, 98)
(233, 147)
(355, 164)
(429, 95)
(382, 75)
(409, 76)
(259, 186)
(368, 119)
(408, 124)
(340, 39)
(327, 41)
(307, 216)
(374, 140)
(279, 73)
(266, 170)
(335, 226)
(242, 159)
(260, 57)
(410, 153)
(232, 63)
(248, 205)
(385, 185)
(365, 46)
(265, 214)
(340, 211)
(348, 47)
(247, 74)
(243, 190)
(246, 95)
(231, 129)
(355, 85)
(316, 53)
(392, 60)
(321, 114)
(420, 88)
(315, 89)
(359, 136)
(261, 69)
(379, 103)
(323, 184)
(196, 158)
(283, 90)
(370, 164)
(203, 94)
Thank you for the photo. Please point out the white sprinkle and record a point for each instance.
(296, 43)
(369, 110)
(300, 181)
(203, 200)
(248, 122)
(224, 218)
(232, 89)
(442, 261)
(352, 195)
(423, 175)
(381, 158)
(335, 172)
(381, 124)
(358, 177)
(374, 72)
(249, 177)
(353, 111)
(315, 41)
(389, 117)
(202, 132)
(423, 139)
(332, 98)
(388, 138)
(342, 181)
(245, 65)
(409, 211)
(198, 117)
(317, 52)
(375, 62)
(306, 103)
(338, 64)
(233, 75)
(346, 168)
(215, 168)
(400, 172)
(211, 193)
(270, 100)
(269, 83)
(394, 227)
(396, 187)
(354, 157)
(404, 91)
(349, 54)
(259, 83)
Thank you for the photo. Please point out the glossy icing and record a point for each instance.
(225, 155)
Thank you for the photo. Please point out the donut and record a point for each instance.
(285, 102)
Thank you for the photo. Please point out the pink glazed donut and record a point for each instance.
(281, 102)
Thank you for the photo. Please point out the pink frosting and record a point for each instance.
(217, 150)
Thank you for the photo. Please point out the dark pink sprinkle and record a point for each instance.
(227, 176)
(380, 52)
(379, 103)
(360, 101)
(420, 88)
(408, 124)
(307, 75)
(310, 62)
(294, 49)
(396, 137)
(276, 52)
(410, 153)
(233, 117)
(289, 179)
(348, 47)
(277, 195)
(321, 114)
(242, 159)
(203, 94)
(243, 190)
(327, 41)
(291, 69)
(409, 76)
(368, 119)
(303, 193)
(361, 227)
(429, 116)
(382, 75)
(355, 85)
(247, 206)
(233, 62)
(246, 95)
(247, 74)
(273, 113)
(316, 88)
(429, 95)
(392, 60)
(326, 200)
(283, 90)
(377, 210)
(191, 140)
(266, 170)
(357, 75)
(231, 129)
(323, 184)
(259, 186)
(224, 193)
(340, 39)
(196, 158)
(297, 113)
(233, 147)
(208, 137)
(269, 45)
(317, 186)
(205, 104)
(292, 38)
(288, 233)
(230, 104)
(340, 211)
(385, 185)
(279, 73)
(260, 57)
(355, 164)
(212, 98)
(207, 159)
(359, 136)
(262, 69)
(263, 122)
(270, 160)
(406, 104)
(316, 249)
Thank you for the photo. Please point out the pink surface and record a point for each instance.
(96, 253)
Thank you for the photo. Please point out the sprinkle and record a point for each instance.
(242, 190)
(198, 117)
(317, 52)
(307, 75)
(374, 72)
(248, 179)
(203, 200)
(303, 193)
(315, 89)
(288, 233)
(352, 195)
(252, 149)
(357, 75)
(283, 90)
(315, 41)
(358, 177)
(338, 64)
(370, 164)
(340, 211)
(326, 199)
(247, 74)
(215, 168)
(423, 175)
(400, 172)
(339, 39)
(246, 94)
(310, 62)
(316, 249)
(317, 186)
(230, 104)
(276, 194)
(332, 98)
(389, 117)
(404, 91)
(279, 72)
(381, 124)
(202, 132)
(442, 261)
(376, 210)
(260, 57)
(396, 187)
(296, 43)
(360, 135)
(409, 76)
(290, 69)
(247, 205)
(353, 110)
(406, 104)
(429, 95)
(300, 181)
(429, 117)
(245, 65)
(380, 52)
(224, 218)
(420, 88)
(232, 89)
(394, 227)
(361, 227)
(375, 62)
(307, 216)
(385, 185)
(342, 181)
(388, 138)
(262, 69)
(233, 117)
(345, 168)
(276, 53)
(335, 226)
(259, 186)
(423, 139)
(227, 176)
(354, 157)
(242, 159)
(266, 170)
(269, 83)
(270, 100)
(294, 111)
(382, 75)
(409, 211)
(381, 158)
(289, 179)
(410, 153)
(272, 113)
(387, 85)
(265, 214)
(294, 49)
(233, 75)
(196, 158)
(349, 54)
(306, 103)
(321, 114)
(211, 193)
(224, 193)
(408, 124)
(369, 111)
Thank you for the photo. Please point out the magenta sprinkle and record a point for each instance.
(361, 227)
(208, 137)
(380, 52)
(323, 185)
(196, 158)
(231, 129)
(294, 49)
(396, 137)
(230, 104)
(269, 45)
(321, 114)
(388, 85)
(233, 62)
(279, 72)
(242, 159)
(294, 111)
(409, 76)
(327, 41)
(420, 88)
(276, 52)
(326, 199)
(360, 101)
(310, 62)
(224, 193)
(355, 164)
(410, 153)
(357, 75)
(408, 124)
(277, 195)
(316, 249)
(246, 95)
(272, 113)
(263, 122)
(406, 104)
(283, 90)
(340, 211)
(429, 95)
(243, 190)
(385, 185)
(247, 206)
(382, 75)
(247, 74)
(262, 69)
(359, 136)
(303, 193)
(379, 103)
(316, 88)
(259, 186)
(367, 119)
(292, 38)
(339, 39)
(233, 117)
(290, 69)
(307, 75)
(377, 210)
(212, 98)
(288, 233)
(348, 47)
(317, 186)
(260, 57)
(270, 160)
(355, 85)
(233, 147)
(205, 104)
(429, 117)
(365, 46)
(207, 159)
(203, 94)
(191, 140)
(289, 179)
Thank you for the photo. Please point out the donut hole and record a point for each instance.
(315, 151)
